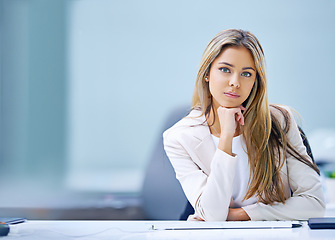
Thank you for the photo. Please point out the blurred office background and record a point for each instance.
(87, 87)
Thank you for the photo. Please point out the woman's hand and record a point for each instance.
(237, 214)
(229, 118)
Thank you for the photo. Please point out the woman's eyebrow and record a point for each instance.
(231, 65)
(248, 68)
(227, 64)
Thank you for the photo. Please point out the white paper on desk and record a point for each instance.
(225, 225)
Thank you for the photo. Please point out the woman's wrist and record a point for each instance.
(237, 214)
(226, 144)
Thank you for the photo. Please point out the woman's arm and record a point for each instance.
(210, 195)
(307, 199)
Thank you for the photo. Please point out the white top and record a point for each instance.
(242, 172)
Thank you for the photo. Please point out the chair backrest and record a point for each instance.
(162, 195)
(306, 143)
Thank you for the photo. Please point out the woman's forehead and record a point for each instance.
(239, 57)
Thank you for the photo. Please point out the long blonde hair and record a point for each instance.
(263, 133)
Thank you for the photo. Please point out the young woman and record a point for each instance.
(237, 157)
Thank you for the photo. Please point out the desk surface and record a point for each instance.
(137, 230)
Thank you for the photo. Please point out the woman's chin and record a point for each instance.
(225, 105)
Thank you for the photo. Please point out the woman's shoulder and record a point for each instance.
(279, 109)
(285, 115)
(193, 120)
(281, 112)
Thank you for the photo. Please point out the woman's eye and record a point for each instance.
(246, 74)
(224, 69)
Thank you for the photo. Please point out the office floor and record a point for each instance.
(90, 213)
(112, 207)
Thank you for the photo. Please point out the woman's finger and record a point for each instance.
(242, 108)
(240, 117)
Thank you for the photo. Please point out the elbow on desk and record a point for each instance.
(319, 209)
(210, 213)
(315, 210)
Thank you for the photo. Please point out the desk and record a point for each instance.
(137, 230)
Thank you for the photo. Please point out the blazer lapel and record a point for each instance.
(205, 151)
(204, 147)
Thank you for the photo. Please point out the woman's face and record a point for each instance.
(231, 77)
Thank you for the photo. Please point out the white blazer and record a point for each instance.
(206, 175)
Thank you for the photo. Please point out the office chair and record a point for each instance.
(162, 196)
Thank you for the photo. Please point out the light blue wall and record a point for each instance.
(131, 63)
(33, 98)
(86, 84)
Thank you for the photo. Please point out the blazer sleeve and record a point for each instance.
(210, 195)
(307, 198)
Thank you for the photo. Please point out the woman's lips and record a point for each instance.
(231, 94)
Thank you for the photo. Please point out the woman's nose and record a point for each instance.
(234, 81)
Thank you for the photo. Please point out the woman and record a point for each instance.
(237, 157)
